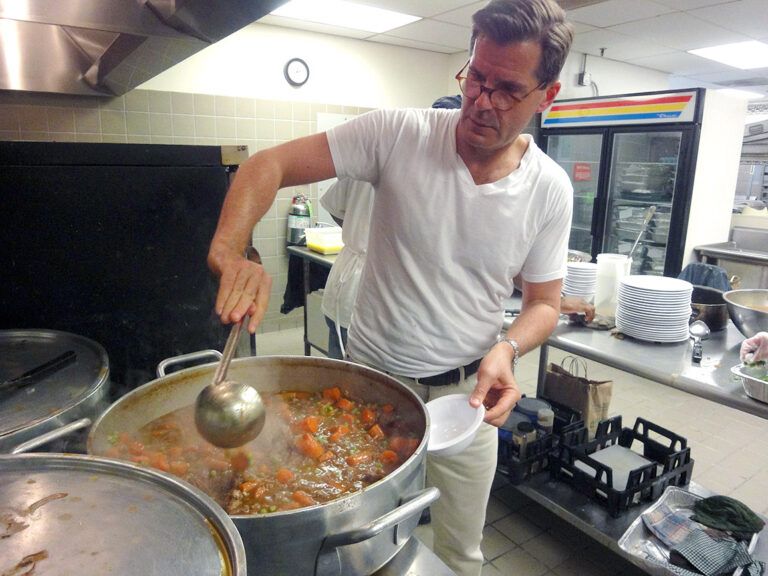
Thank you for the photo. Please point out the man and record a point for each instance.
(463, 203)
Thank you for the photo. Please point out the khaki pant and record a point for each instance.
(464, 481)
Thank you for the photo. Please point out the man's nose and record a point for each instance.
(484, 99)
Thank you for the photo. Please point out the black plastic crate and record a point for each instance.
(538, 452)
(670, 463)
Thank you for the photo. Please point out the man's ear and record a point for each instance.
(549, 96)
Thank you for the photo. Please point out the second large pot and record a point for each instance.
(352, 535)
(709, 306)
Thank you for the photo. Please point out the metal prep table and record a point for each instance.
(308, 256)
(668, 364)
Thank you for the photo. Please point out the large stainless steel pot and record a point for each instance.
(68, 514)
(709, 306)
(75, 394)
(352, 536)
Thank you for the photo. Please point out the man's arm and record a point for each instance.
(496, 384)
(244, 286)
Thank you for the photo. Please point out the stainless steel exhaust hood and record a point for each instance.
(108, 47)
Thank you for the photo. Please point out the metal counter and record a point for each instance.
(308, 256)
(668, 364)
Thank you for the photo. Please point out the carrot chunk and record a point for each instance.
(311, 424)
(344, 404)
(368, 416)
(309, 446)
(332, 394)
(388, 457)
(284, 475)
(376, 432)
(302, 498)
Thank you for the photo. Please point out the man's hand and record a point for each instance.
(243, 289)
(755, 349)
(496, 385)
(576, 305)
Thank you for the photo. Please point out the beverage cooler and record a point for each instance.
(627, 153)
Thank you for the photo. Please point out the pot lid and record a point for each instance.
(72, 514)
(46, 396)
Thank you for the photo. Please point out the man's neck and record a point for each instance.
(488, 166)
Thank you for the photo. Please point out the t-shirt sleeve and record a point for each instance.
(360, 146)
(548, 255)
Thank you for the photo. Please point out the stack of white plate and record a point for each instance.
(580, 280)
(654, 308)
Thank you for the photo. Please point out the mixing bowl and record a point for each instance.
(748, 309)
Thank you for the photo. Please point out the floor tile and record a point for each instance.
(517, 528)
(519, 563)
(548, 550)
(495, 543)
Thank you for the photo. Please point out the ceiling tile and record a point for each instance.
(734, 76)
(441, 33)
(679, 30)
(617, 12)
(746, 16)
(680, 63)
(313, 27)
(617, 46)
(423, 8)
(384, 39)
(684, 5)
(462, 16)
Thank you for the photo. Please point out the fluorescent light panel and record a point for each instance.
(344, 14)
(742, 55)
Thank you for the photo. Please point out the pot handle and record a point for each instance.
(186, 358)
(328, 561)
(52, 435)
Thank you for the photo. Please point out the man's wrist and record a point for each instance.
(515, 348)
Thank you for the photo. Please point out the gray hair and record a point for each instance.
(510, 21)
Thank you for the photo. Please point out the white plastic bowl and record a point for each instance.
(453, 424)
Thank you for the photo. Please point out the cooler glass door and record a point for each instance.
(579, 156)
(643, 173)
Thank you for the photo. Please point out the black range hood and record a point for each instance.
(108, 47)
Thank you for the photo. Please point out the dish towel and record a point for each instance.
(669, 526)
(729, 514)
(712, 557)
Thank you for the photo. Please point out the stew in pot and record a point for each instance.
(315, 447)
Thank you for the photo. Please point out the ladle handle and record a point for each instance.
(229, 351)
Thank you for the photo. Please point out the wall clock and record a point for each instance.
(296, 72)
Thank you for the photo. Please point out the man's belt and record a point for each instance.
(451, 376)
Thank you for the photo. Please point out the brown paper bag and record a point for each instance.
(565, 385)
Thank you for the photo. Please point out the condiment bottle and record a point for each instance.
(546, 420)
(523, 434)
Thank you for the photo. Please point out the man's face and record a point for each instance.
(510, 67)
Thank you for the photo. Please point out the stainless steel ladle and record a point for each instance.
(699, 331)
(228, 413)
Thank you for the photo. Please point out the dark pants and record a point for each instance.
(334, 350)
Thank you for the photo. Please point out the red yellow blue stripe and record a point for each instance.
(619, 109)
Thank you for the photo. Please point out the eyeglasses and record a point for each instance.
(499, 98)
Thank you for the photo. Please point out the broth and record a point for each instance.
(314, 448)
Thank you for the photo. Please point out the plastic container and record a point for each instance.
(326, 240)
(453, 424)
(545, 419)
(611, 268)
(529, 407)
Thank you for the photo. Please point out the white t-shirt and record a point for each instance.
(351, 201)
(443, 251)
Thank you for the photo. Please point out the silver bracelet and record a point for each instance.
(515, 347)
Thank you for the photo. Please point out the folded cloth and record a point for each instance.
(726, 513)
(712, 557)
(669, 526)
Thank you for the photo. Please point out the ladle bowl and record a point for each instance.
(699, 331)
(228, 413)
